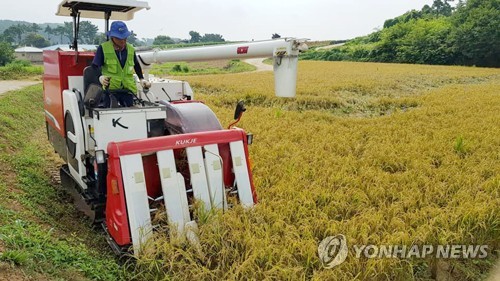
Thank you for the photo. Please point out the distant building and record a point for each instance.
(35, 55)
(32, 54)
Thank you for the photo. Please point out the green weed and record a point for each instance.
(203, 68)
(42, 233)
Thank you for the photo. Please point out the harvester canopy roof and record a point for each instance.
(120, 9)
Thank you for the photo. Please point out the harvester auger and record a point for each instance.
(168, 148)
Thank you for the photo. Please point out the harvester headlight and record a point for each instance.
(100, 157)
(249, 138)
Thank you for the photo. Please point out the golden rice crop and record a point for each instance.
(381, 153)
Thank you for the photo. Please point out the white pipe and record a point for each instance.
(284, 52)
(245, 50)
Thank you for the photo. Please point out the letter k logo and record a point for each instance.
(117, 122)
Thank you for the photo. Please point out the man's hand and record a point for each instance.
(104, 80)
(145, 84)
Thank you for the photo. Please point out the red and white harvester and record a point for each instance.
(168, 149)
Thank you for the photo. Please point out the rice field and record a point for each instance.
(384, 154)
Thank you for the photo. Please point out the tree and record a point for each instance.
(5, 37)
(49, 30)
(34, 28)
(211, 37)
(163, 40)
(406, 17)
(6, 53)
(427, 42)
(132, 39)
(386, 49)
(62, 31)
(35, 40)
(87, 32)
(99, 38)
(68, 30)
(195, 37)
(14, 32)
(442, 8)
(476, 37)
(275, 36)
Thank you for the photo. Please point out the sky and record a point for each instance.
(241, 20)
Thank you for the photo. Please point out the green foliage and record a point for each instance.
(132, 39)
(211, 37)
(438, 8)
(44, 235)
(87, 32)
(15, 33)
(20, 69)
(163, 40)
(24, 63)
(406, 17)
(460, 147)
(195, 37)
(39, 249)
(207, 38)
(32, 34)
(427, 42)
(35, 40)
(177, 68)
(15, 257)
(201, 68)
(335, 54)
(476, 37)
(189, 45)
(61, 31)
(437, 34)
(6, 53)
(441, 8)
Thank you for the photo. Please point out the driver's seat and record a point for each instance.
(92, 88)
(94, 95)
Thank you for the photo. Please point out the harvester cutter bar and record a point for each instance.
(206, 179)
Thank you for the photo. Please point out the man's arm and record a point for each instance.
(99, 58)
(137, 67)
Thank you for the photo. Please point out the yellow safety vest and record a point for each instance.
(121, 78)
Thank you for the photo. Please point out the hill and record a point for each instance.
(437, 34)
(4, 24)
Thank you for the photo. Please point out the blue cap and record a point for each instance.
(119, 30)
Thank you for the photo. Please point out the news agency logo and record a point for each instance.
(333, 251)
(422, 251)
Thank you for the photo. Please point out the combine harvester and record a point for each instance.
(168, 149)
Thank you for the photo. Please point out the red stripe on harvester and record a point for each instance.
(155, 144)
(242, 50)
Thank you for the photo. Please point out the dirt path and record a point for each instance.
(11, 85)
(259, 64)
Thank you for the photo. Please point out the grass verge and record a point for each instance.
(19, 70)
(201, 68)
(41, 233)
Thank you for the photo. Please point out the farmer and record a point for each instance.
(117, 58)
